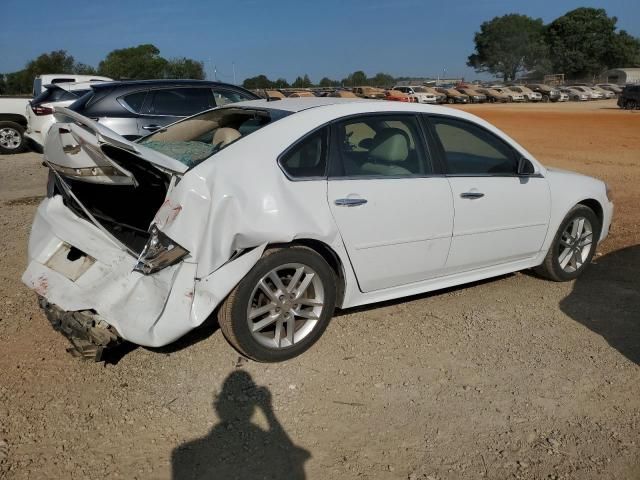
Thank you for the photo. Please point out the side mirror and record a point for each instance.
(525, 167)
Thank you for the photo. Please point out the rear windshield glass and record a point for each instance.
(195, 139)
(57, 94)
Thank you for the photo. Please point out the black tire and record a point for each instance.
(450, 100)
(545, 98)
(630, 105)
(233, 318)
(550, 267)
(15, 130)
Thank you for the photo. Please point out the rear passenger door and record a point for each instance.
(168, 105)
(394, 211)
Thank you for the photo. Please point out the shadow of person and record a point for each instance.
(236, 448)
(606, 299)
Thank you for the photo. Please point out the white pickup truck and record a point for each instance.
(13, 123)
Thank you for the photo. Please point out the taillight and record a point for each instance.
(39, 111)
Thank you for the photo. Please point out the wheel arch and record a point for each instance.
(594, 205)
(331, 257)
(13, 117)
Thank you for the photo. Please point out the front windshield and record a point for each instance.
(197, 138)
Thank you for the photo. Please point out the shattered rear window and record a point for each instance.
(197, 138)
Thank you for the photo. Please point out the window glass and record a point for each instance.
(57, 94)
(471, 150)
(181, 102)
(135, 100)
(308, 158)
(387, 146)
(223, 97)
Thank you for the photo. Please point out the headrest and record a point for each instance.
(390, 145)
(225, 136)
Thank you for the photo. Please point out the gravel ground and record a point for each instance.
(515, 377)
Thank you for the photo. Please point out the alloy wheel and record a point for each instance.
(285, 305)
(10, 138)
(575, 244)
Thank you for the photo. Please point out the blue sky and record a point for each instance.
(280, 38)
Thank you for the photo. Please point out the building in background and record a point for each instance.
(623, 76)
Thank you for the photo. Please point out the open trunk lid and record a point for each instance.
(82, 149)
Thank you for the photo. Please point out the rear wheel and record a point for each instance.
(281, 307)
(11, 137)
(450, 100)
(573, 246)
(630, 105)
(545, 98)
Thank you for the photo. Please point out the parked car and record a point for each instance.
(39, 112)
(575, 95)
(453, 96)
(41, 81)
(511, 94)
(529, 95)
(440, 97)
(13, 123)
(136, 108)
(219, 213)
(398, 96)
(607, 94)
(549, 93)
(612, 87)
(369, 92)
(343, 94)
(494, 95)
(593, 95)
(418, 93)
(474, 95)
(563, 97)
(629, 99)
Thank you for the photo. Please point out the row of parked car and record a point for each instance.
(137, 108)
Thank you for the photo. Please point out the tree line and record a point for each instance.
(581, 44)
(140, 62)
(358, 78)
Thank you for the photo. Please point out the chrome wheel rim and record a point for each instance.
(576, 242)
(285, 306)
(10, 138)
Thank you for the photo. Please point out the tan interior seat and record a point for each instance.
(224, 136)
(390, 147)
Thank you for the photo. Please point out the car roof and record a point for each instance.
(161, 83)
(77, 85)
(298, 104)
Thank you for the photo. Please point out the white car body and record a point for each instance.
(563, 97)
(396, 245)
(416, 92)
(528, 94)
(576, 94)
(38, 124)
(515, 96)
(593, 94)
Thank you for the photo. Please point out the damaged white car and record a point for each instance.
(271, 214)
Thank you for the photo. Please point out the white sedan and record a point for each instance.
(272, 213)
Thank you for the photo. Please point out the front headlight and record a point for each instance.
(159, 252)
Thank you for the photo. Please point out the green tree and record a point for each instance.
(382, 80)
(327, 82)
(508, 45)
(257, 82)
(355, 79)
(141, 62)
(281, 83)
(184, 68)
(302, 82)
(584, 42)
(84, 69)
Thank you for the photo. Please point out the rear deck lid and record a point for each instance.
(77, 147)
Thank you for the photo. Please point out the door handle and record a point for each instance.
(350, 202)
(472, 195)
(151, 127)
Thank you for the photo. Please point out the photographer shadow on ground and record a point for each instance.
(237, 448)
(606, 299)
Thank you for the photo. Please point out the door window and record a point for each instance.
(308, 158)
(135, 100)
(472, 150)
(223, 97)
(181, 102)
(380, 146)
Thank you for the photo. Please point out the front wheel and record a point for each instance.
(281, 307)
(11, 137)
(573, 246)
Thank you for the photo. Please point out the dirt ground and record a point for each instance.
(515, 377)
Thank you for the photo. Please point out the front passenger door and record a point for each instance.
(500, 217)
